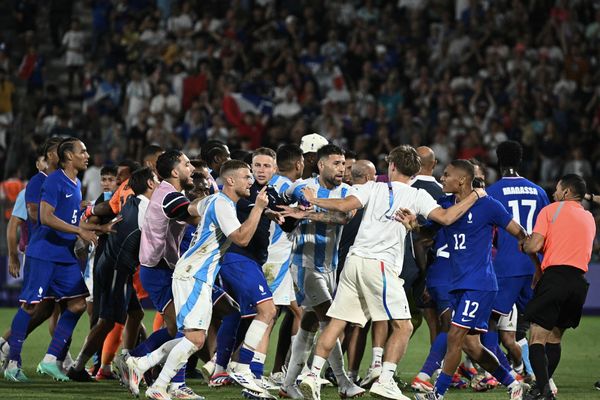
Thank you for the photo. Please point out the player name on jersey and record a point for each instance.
(519, 190)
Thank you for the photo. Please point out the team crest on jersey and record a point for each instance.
(470, 218)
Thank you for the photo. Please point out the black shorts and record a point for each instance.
(558, 298)
(114, 295)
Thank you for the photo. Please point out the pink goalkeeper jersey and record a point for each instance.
(162, 229)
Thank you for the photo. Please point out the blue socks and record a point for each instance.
(62, 333)
(226, 338)
(246, 355)
(502, 358)
(443, 383)
(257, 366)
(490, 341)
(63, 353)
(152, 343)
(503, 376)
(436, 354)
(18, 334)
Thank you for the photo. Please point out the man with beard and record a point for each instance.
(197, 269)
(314, 264)
(162, 231)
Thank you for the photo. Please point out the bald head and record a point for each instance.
(363, 171)
(428, 160)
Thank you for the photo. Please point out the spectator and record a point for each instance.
(7, 91)
(73, 41)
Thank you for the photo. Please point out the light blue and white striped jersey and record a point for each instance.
(280, 245)
(218, 220)
(316, 244)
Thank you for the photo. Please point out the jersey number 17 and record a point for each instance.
(516, 212)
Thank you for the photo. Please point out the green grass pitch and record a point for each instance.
(579, 369)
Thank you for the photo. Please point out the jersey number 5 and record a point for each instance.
(74, 218)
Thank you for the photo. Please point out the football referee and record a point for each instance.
(564, 232)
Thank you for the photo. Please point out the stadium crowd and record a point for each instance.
(400, 93)
(458, 76)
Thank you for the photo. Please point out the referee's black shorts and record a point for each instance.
(114, 295)
(558, 298)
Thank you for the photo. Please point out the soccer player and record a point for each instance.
(474, 285)
(252, 293)
(437, 311)
(514, 269)
(355, 339)
(17, 220)
(108, 182)
(314, 264)
(564, 232)
(290, 165)
(363, 294)
(350, 157)
(197, 269)
(162, 232)
(46, 164)
(51, 259)
(114, 294)
(310, 145)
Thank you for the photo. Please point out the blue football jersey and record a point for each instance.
(33, 191)
(64, 195)
(439, 272)
(524, 200)
(470, 243)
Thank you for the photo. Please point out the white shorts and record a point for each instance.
(508, 323)
(280, 282)
(369, 289)
(193, 303)
(313, 287)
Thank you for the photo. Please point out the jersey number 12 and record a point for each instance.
(459, 241)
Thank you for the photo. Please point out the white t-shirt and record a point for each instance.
(380, 237)
(74, 41)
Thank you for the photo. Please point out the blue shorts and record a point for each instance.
(157, 282)
(440, 295)
(511, 290)
(243, 278)
(49, 279)
(472, 309)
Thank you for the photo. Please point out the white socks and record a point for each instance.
(300, 350)
(336, 361)
(387, 372)
(49, 358)
(175, 361)
(157, 356)
(317, 365)
(377, 356)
